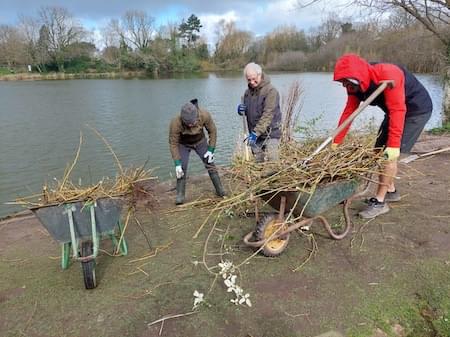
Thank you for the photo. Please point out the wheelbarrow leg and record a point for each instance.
(74, 241)
(123, 247)
(65, 255)
(282, 208)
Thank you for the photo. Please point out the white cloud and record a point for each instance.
(263, 18)
(210, 21)
(256, 16)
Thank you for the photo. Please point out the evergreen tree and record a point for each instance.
(187, 29)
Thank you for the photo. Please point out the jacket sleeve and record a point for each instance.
(211, 128)
(352, 105)
(395, 104)
(174, 139)
(268, 113)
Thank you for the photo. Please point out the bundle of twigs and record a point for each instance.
(352, 160)
(291, 108)
(64, 191)
(248, 180)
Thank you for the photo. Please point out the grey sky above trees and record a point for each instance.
(257, 16)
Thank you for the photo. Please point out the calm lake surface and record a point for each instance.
(40, 123)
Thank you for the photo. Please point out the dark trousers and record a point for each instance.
(200, 149)
(411, 131)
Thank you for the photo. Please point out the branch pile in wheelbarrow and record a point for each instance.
(65, 191)
(78, 217)
(355, 159)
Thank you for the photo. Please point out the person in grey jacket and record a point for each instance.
(186, 133)
(261, 106)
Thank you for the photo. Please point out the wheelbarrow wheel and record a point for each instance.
(265, 229)
(88, 267)
(65, 255)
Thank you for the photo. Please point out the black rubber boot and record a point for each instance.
(181, 189)
(216, 182)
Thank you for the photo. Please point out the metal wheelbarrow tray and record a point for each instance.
(272, 232)
(79, 225)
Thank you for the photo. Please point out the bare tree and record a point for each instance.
(59, 29)
(136, 28)
(434, 15)
(231, 42)
(29, 28)
(110, 34)
(12, 48)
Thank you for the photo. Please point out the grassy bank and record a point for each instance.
(443, 130)
(67, 76)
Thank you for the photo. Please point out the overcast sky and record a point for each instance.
(257, 16)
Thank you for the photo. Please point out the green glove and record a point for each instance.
(391, 153)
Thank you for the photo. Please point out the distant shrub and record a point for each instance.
(6, 71)
(290, 60)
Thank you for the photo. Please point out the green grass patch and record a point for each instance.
(5, 71)
(421, 308)
(444, 129)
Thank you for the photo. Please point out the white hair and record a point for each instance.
(252, 68)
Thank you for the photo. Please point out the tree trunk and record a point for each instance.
(446, 100)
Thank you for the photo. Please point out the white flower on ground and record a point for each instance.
(230, 280)
(198, 299)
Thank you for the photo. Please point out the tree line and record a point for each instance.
(55, 41)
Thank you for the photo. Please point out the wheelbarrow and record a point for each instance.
(80, 225)
(272, 232)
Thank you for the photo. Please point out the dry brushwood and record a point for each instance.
(352, 160)
(66, 191)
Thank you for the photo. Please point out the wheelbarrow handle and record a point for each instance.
(349, 119)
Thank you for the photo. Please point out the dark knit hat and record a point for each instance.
(189, 113)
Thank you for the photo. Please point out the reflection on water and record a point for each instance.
(40, 122)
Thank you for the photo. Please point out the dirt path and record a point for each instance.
(392, 270)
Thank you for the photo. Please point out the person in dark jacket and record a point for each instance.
(261, 106)
(407, 107)
(186, 133)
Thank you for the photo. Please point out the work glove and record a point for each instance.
(209, 155)
(251, 139)
(179, 171)
(334, 146)
(391, 153)
(241, 109)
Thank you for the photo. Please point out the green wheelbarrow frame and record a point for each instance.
(78, 226)
(306, 206)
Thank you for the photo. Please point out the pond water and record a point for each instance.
(40, 123)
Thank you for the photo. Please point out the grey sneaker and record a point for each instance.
(374, 208)
(392, 196)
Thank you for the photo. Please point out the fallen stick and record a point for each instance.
(418, 156)
(172, 316)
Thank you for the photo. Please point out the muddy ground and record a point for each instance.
(393, 271)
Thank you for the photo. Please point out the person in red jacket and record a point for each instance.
(407, 107)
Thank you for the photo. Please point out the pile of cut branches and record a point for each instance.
(355, 159)
(64, 191)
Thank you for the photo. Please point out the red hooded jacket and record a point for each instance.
(406, 98)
